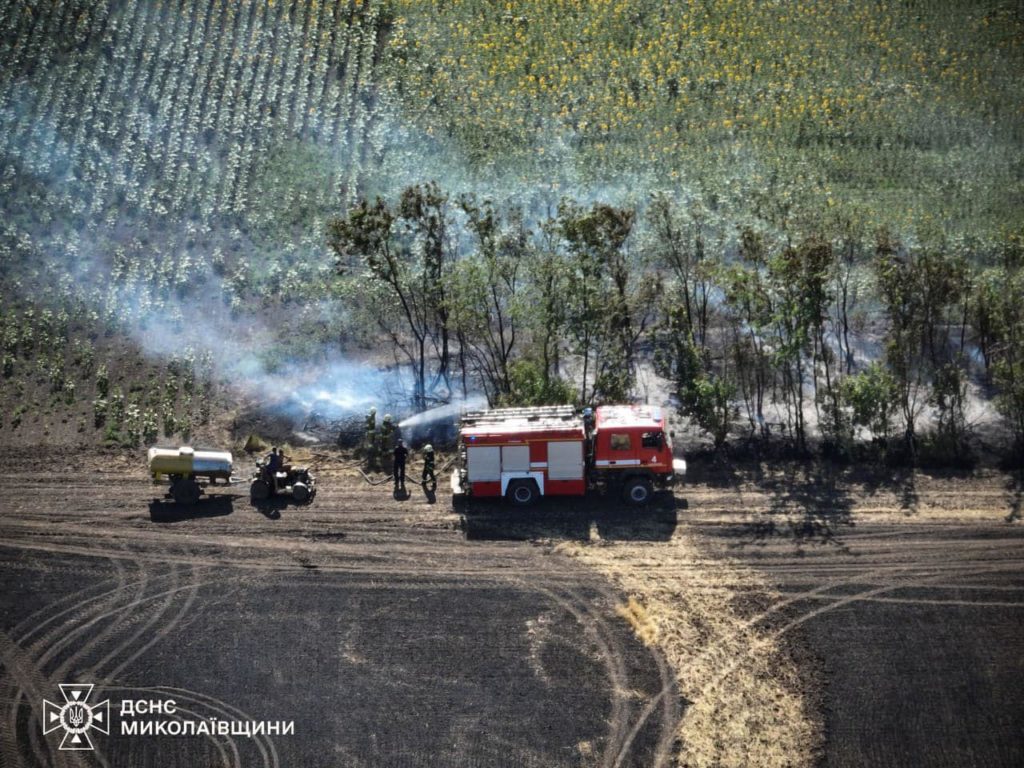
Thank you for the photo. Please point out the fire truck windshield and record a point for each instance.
(652, 440)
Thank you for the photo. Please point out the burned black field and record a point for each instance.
(376, 626)
(411, 633)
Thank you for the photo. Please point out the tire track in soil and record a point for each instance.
(28, 678)
(94, 617)
(915, 553)
(103, 610)
(376, 545)
(871, 573)
(667, 694)
(31, 653)
(872, 593)
(668, 699)
(918, 601)
(378, 564)
(837, 601)
(45, 648)
(611, 657)
(41, 646)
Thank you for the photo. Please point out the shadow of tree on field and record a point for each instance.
(808, 504)
(1015, 488)
(714, 471)
(908, 497)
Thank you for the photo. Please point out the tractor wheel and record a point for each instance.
(638, 491)
(300, 492)
(259, 490)
(186, 491)
(523, 493)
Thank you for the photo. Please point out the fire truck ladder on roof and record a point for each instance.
(536, 413)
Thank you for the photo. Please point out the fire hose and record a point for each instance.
(380, 481)
(326, 457)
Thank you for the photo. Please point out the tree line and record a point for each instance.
(828, 330)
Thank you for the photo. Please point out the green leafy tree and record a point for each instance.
(545, 292)
(485, 298)
(918, 289)
(608, 310)
(680, 245)
(750, 306)
(814, 278)
(397, 260)
(530, 386)
(949, 396)
(871, 397)
(704, 397)
(1007, 350)
(798, 279)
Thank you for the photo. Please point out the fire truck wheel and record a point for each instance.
(638, 491)
(522, 492)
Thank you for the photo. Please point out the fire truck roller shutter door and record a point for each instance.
(515, 458)
(483, 463)
(565, 460)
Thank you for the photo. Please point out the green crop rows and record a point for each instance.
(168, 160)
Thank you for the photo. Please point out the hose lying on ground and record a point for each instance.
(444, 468)
(326, 457)
(371, 481)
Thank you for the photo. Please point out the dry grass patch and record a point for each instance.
(745, 703)
(641, 622)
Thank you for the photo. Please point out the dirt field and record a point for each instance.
(387, 635)
(837, 616)
(907, 592)
(779, 618)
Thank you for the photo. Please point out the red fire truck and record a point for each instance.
(525, 453)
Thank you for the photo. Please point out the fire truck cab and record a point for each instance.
(525, 453)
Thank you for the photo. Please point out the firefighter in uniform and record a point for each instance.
(399, 456)
(588, 420)
(428, 467)
(387, 438)
(370, 438)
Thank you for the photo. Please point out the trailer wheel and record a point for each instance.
(300, 492)
(523, 493)
(186, 491)
(638, 491)
(259, 490)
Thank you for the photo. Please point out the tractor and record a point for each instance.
(297, 482)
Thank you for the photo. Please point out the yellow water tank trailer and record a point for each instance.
(181, 466)
(188, 461)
